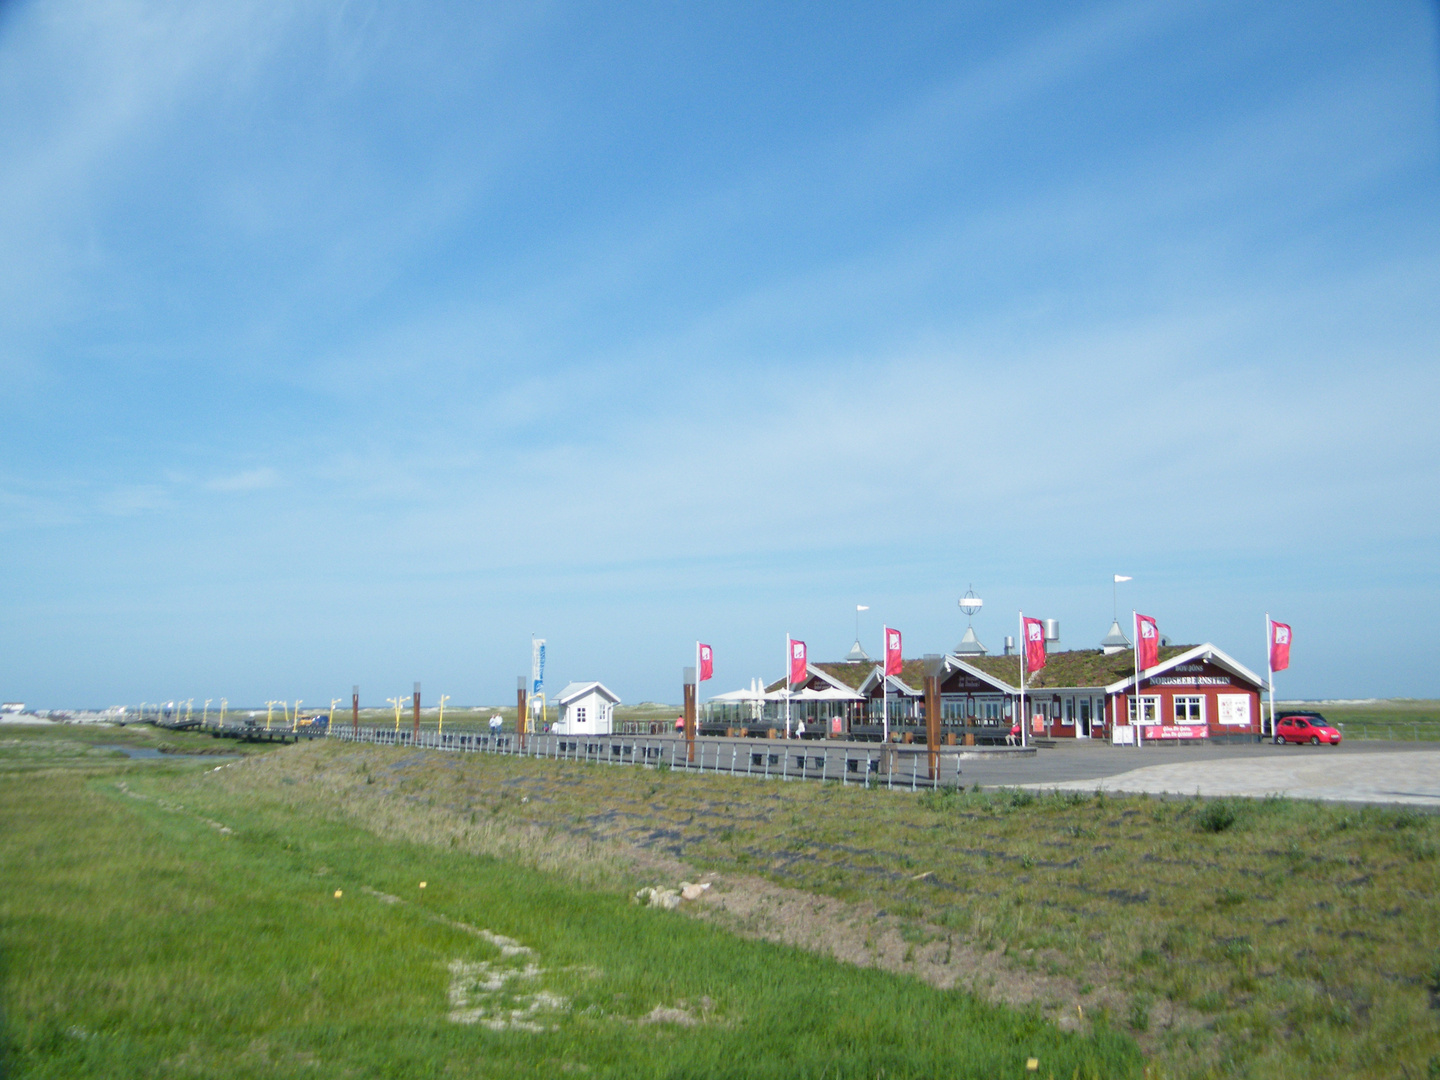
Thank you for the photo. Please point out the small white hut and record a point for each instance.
(586, 708)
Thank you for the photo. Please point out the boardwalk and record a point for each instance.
(247, 730)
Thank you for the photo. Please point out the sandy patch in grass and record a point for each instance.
(484, 993)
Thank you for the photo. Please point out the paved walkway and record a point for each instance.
(1355, 772)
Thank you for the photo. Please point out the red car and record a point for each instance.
(1310, 729)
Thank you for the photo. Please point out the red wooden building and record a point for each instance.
(1194, 692)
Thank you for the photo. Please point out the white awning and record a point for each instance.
(829, 693)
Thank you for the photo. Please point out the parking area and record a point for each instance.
(1361, 772)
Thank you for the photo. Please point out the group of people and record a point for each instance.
(680, 727)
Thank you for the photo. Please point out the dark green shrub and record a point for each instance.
(1218, 815)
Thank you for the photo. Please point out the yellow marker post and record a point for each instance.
(330, 716)
(295, 721)
(269, 709)
(441, 729)
(223, 703)
(422, 891)
(397, 702)
(205, 716)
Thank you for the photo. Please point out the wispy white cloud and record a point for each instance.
(135, 499)
(248, 480)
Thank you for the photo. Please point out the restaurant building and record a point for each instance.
(1194, 692)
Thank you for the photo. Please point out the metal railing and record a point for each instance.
(871, 766)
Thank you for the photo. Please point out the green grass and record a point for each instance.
(28, 747)
(161, 920)
(1265, 938)
(1393, 719)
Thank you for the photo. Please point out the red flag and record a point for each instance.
(707, 663)
(798, 668)
(1147, 640)
(1279, 646)
(1034, 644)
(893, 659)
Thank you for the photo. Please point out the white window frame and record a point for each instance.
(1151, 713)
(1189, 721)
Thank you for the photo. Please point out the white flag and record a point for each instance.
(1122, 577)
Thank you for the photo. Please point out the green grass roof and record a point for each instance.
(1076, 667)
(852, 675)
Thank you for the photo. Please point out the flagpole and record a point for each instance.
(884, 684)
(1139, 707)
(788, 662)
(1024, 649)
(1269, 673)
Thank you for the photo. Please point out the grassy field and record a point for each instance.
(178, 918)
(26, 747)
(1231, 938)
(1395, 719)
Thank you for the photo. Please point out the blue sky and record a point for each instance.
(356, 342)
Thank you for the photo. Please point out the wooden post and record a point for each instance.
(689, 677)
(355, 708)
(522, 710)
(932, 717)
(417, 712)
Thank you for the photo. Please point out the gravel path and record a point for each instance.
(1366, 774)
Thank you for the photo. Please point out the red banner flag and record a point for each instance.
(798, 669)
(707, 663)
(1279, 646)
(893, 660)
(1034, 644)
(1147, 640)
